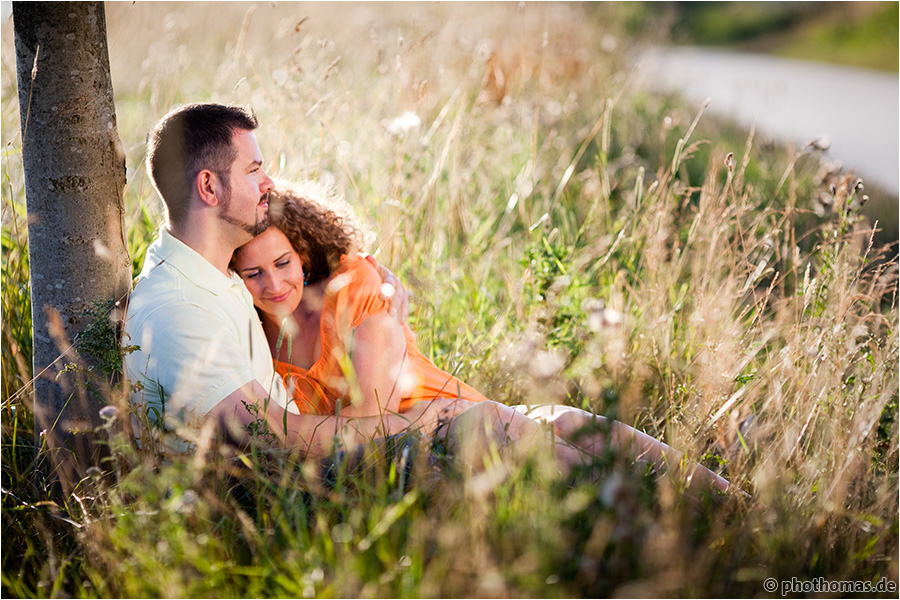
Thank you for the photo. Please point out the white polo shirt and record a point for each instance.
(199, 337)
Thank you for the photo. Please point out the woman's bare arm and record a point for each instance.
(377, 350)
(315, 435)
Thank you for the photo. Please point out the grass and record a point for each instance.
(566, 238)
(865, 38)
(858, 34)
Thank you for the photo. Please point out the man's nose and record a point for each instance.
(266, 185)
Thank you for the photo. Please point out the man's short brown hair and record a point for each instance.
(189, 139)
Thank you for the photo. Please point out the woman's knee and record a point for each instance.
(490, 427)
(473, 432)
(570, 423)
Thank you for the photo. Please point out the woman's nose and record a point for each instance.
(274, 282)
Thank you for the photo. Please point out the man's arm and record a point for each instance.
(315, 435)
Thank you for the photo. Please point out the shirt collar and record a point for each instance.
(170, 250)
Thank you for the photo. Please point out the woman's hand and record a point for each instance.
(393, 291)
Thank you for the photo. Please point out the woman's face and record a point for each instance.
(271, 270)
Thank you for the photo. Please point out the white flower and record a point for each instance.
(109, 413)
(403, 123)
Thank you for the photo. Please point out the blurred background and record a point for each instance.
(796, 71)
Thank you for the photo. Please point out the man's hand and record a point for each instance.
(393, 291)
(427, 415)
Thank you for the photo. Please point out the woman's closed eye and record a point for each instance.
(251, 274)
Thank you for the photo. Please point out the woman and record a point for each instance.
(320, 309)
(339, 351)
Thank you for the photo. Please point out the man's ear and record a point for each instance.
(208, 187)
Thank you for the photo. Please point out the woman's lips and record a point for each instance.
(280, 298)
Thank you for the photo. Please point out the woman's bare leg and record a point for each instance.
(593, 434)
(489, 429)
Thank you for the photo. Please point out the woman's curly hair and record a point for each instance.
(319, 224)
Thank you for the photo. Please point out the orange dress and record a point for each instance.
(351, 297)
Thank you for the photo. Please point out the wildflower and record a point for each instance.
(729, 161)
(185, 503)
(609, 43)
(109, 413)
(601, 317)
(546, 364)
(823, 203)
(613, 490)
(342, 533)
(821, 143)
(279, 76)
(403, 123)
(670, 121)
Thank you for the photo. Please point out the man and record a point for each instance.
(202, 351)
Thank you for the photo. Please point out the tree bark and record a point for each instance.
(74, 168)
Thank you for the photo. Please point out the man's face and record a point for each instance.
(244, 202)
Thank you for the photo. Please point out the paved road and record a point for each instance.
(857, 110)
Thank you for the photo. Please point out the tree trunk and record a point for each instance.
(74, 180)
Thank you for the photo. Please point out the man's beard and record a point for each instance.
(253, 229)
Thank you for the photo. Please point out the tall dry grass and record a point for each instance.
(566, 238)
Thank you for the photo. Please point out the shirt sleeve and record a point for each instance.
(188, 362)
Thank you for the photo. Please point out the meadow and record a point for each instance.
(566, 238)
